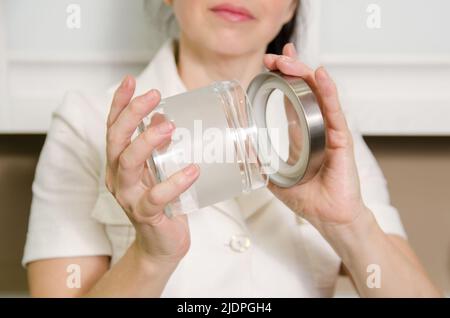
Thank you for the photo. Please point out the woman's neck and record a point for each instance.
(198, 67)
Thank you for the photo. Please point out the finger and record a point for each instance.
(121, 98)
(133, 158)
(165, 192)
(270, 61)
(119, 134)
(157, 119)
(293, 67)
(133, 114)
(290, 50)
(331, 108)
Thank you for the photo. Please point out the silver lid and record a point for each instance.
(311, 136)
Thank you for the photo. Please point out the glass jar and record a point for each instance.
(240, 139)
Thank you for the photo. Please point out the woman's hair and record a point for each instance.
(163, 18)
(286, 35)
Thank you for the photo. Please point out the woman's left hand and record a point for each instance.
(333, 196)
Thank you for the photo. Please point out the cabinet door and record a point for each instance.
(52, 46)
(391, 59)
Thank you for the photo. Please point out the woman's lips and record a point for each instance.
(232, 13)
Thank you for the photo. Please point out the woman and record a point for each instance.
(249, 246)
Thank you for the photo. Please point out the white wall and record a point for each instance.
(394, 80)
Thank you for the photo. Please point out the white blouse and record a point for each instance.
(250, 246)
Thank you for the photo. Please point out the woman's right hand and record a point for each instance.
(158, 238)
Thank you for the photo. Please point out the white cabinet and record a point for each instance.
(45, 54)
(394, 80)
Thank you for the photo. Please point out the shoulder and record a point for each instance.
(81, 108)
(81, 119)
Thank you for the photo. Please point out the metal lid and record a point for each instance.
(308, 132)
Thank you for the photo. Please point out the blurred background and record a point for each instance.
(390, 58)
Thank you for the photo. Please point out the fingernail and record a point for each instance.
(190, 170)
(287, 59)
(125, 82)
(325, 71)
(293, 48)
(323, 74)
(166, 127)
(150, 95)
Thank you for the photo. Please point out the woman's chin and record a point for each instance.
(232, 46)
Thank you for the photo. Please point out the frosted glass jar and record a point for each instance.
(240, 139)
